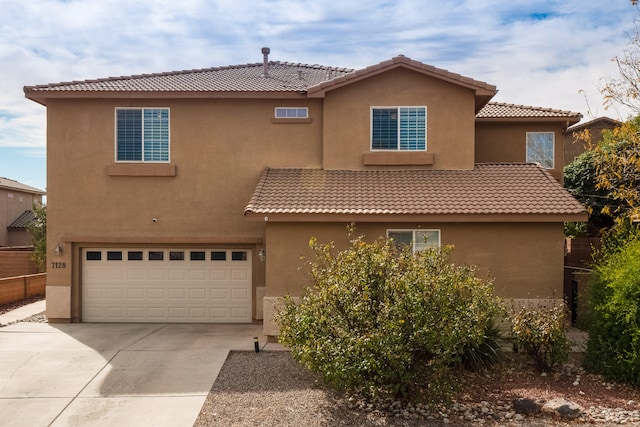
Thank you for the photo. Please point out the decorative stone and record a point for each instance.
(562, 408)
(526, 406)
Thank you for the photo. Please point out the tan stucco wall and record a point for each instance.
(524, 260)
(218, 156)
(450, 118)
(506, 142)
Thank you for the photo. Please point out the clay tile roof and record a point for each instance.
(283, 77)
(408, 62)
(488, 189)
(23, 220)
(498, 110)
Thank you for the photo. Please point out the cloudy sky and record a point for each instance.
(538, 52)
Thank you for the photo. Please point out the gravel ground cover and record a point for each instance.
(271, 389)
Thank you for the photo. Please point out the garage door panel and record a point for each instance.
(116, 293)
(154, 293)
(219, 274)
(239, 294)
(237, 274)
(135, 275)
(200, 274)
(177, 274)
(198, 294)
(166, 285)
(156, 274)
(135, 313)
(112, 274)
(239, 312)
(219, 294)
(135, 293)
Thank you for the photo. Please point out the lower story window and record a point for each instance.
(418, 239)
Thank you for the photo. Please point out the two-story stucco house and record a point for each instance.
(190, 196)
(16, 204)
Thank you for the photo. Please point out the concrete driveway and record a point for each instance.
(112, 374)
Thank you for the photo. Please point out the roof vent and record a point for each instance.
(265, 61)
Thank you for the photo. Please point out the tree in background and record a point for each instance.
(606, 177)
(38, 230)
(625, 88)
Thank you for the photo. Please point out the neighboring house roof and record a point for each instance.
(501, 111)
(505, 192)
(10, 184)
(26, 218)
(600, 122)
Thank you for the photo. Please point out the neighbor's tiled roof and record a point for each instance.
(283, 77)
(488, 189)
(10, 184)
(499, 110)
(23, 220)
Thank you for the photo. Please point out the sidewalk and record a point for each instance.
(22, 312)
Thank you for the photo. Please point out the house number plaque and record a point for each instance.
(58, 265)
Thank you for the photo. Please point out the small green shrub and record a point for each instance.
(613, 348)
(382, 321)
(540, 331)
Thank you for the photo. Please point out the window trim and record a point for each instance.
(296, 117)
(413, 237)
(142, 160)
(553, 148)
(398, 108)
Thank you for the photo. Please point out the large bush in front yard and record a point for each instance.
(613, 348)
(379, 320)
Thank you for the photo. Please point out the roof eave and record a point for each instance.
(446, 218)
(566, 119)
(42, 97)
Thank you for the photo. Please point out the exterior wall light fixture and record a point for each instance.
(262, 255)
(58, 250)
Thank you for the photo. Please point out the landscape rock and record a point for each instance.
(563, 408)
(526, 406)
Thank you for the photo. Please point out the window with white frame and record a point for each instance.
(540, 148)
(399, 128)
(142, 134)
(292, 113)
(418, 239)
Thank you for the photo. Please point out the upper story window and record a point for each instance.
(418, 239)
(292, 113)
(142, 134)
(399, 128)
(540, 148)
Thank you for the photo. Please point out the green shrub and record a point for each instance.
(613, 348)
(383, 321)
(540, 331)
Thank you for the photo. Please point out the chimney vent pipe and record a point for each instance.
(265, 61)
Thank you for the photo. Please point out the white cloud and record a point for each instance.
(536, 52)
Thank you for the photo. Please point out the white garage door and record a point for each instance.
(166, 285)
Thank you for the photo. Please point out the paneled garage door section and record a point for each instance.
(166, 285)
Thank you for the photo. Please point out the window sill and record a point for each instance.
(292, 121)
(388, 158)
(141, 169)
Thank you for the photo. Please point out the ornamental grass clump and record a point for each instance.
(380, 320)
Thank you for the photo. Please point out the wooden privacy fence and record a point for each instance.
(21, 287)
